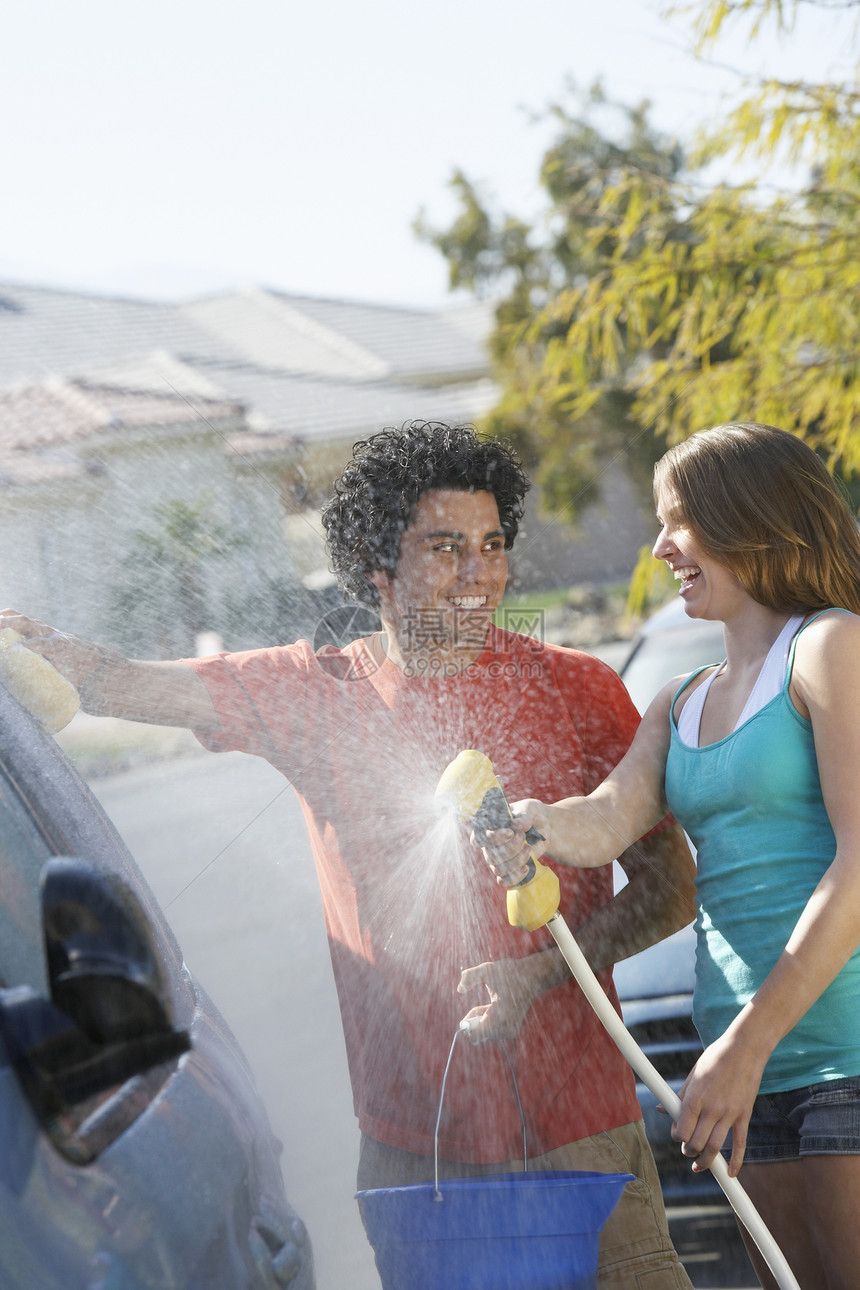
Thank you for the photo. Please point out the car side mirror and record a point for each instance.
(108, 1017)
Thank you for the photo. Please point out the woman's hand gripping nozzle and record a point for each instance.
(470, 789)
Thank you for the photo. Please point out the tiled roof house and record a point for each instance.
(109, 407)
(248, 400)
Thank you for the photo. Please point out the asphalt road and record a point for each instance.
(222, 842)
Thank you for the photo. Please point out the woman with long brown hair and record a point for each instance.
(758, 759)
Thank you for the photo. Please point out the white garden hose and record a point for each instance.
(648, 1073)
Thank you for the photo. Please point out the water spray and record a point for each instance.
(470, 787)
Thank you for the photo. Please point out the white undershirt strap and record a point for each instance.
(769, 682)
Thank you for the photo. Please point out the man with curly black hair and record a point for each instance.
(374, 500)
(419, 525)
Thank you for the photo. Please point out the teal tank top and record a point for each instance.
(752, 806)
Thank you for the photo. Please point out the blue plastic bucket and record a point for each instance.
(522, 1231)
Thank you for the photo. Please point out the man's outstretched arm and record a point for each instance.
(110, 685)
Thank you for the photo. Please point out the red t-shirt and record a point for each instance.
(407, 906)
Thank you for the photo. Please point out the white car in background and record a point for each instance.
(668, 644)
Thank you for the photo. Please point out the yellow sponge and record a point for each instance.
(36, 683)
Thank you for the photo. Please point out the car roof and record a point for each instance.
(669, 644)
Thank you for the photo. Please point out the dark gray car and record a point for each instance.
(656, 991)
(135, 1150)
(656, 987)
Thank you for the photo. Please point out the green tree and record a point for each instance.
(531, 270)
(658, 304)
(188, 572)
(753, 312)
(161, 595)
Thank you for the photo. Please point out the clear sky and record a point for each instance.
(180, 146)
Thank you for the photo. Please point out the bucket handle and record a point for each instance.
(457, 1033)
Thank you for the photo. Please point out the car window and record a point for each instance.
(23, 851)
(46, 810)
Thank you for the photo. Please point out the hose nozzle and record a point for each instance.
(470, 787)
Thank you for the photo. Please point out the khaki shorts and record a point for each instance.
(636, 1251)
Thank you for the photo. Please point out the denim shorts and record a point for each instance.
(820, 1119)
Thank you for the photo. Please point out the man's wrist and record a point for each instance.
(549, 969)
